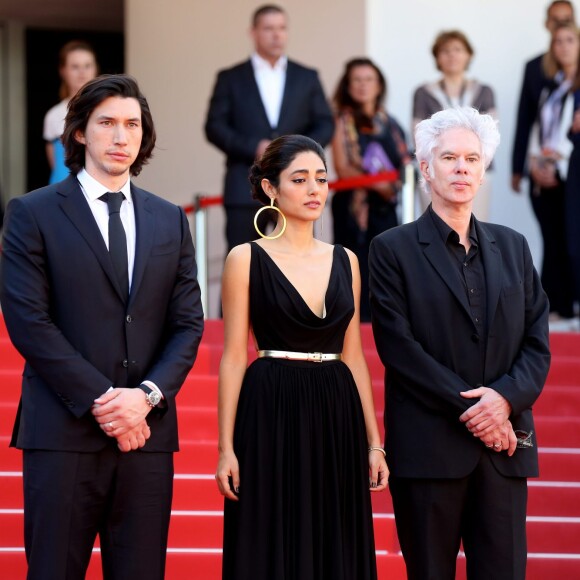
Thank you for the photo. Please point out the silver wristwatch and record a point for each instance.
(152, 397)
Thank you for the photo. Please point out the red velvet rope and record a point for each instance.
(338, 185)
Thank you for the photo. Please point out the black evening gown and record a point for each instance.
(304, 510)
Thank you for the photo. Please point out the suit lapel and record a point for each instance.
(492, 263)
(437, 254)
(76, 208)
(145, 229)
(288, 96)
(254, 93)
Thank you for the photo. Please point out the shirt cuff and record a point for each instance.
(153, 386)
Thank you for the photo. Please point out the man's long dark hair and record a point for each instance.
(85, 102)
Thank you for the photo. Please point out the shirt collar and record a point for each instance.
(93, 189)
(445, 231)
(259, 63)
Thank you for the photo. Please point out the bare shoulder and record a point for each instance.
(238, 260)
(352, 257)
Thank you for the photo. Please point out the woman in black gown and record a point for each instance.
(299, 444)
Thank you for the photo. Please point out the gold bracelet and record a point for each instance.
(378, 449)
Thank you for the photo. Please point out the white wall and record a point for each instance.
(504, 35)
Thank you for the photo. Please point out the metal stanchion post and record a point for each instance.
(408, 197)
(201, 252)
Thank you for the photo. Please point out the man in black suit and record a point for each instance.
(99, 294)
(255, 102)
(559, 12)
(461, 324)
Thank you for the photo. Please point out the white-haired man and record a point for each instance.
(461, 323)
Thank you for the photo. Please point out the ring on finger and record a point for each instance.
(110, 424)
(497, 445)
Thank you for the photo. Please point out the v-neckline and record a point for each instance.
(285, 277)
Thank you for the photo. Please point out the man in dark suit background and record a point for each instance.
(99, 294)
(255, 102)
(461, 324)
(558, 12)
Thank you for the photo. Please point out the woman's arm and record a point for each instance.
(49, 148)
(353, 357)
(236, 315)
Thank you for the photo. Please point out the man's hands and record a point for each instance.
(121, 414)
(262, 147)
(488, 419)
(134, 439)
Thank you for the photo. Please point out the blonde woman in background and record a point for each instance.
(549, 157)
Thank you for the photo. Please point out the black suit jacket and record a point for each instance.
(429, 344)
(237, 121)
(66, 316)
(534, 81)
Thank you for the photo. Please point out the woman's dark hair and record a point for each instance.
(342, 99)
(63, 53)
(278, 157)
(87, 100)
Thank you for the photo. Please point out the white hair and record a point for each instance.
(429, 131)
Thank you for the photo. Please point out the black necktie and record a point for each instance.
(117, 239)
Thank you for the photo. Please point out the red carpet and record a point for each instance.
(196, 526)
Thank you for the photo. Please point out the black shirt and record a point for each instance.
(471, 271)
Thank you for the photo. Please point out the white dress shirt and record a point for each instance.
(92, 190)
(271, 81)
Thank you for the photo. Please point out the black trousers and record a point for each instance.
(557, 273)
(71, 497)
(485, 510)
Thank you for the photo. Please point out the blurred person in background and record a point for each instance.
(558, 12)
(366, 140)
(453, 53)
(572, 207)
(549, 157)
(77, 66)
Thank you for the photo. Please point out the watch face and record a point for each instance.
(154, 398)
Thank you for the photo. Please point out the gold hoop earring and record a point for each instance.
(277, 209)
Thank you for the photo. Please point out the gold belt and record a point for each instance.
(307, 356)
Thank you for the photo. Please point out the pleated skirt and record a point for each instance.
(304, 510)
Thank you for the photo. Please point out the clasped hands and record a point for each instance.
(121, 413)
(488, 419)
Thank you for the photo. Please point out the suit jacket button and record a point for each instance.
(125, 363)
(129, 318)
(475, 337)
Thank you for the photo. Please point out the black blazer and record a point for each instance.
(430, 346)
(66, 316)
(534, 81)
(237, 121)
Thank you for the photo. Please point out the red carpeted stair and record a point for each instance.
(196, 525)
